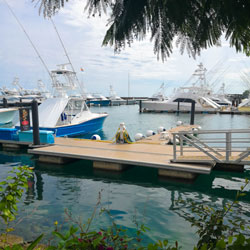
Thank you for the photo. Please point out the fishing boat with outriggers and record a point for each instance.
(65, 114)
(200, 93)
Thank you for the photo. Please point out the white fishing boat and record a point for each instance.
(244, 106)
(114, 98)
(220, 97)
(7, 115)
(181, 99)
(98, 100)
(160, 94)
(65, 115)
(20, 94)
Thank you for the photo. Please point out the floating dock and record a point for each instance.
(150, 152)
(174, 161)
(117, 157)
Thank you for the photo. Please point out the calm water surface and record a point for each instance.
(134, 194)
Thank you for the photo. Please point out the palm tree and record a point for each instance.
(195, 24)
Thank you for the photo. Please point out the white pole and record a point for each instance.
(128, 85)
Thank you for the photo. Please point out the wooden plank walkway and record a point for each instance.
(156, 139)
(140, 154)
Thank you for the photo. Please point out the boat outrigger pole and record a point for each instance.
(66, 53)
(34, 47)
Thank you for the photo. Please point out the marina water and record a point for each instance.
(134, 195)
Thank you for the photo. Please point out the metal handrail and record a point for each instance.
(220, 153)
(213, 131)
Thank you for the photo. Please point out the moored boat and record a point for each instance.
(7, 115)
(183, 96)
(64, 115)
(114, 98)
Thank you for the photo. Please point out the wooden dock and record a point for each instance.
(117, 157)
(153, 152)
(150, 152)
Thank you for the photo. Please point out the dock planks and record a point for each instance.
(140, 154)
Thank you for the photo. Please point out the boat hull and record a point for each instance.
(117, 102)
(165, 106)
(83, 128)
(98, 102)
(7, 115)
(86, 127)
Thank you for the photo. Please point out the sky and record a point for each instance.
(82, 37)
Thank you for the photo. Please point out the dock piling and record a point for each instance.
(192, 113)
(5, 103)
(140, 106)
(35, 122)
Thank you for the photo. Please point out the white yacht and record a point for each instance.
(114, 98)
(220, 97)
(66, 115)
(20, 94)
(7, 115)
(183, 96)
(245, 105)
(160, 94)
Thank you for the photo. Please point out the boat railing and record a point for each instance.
(220, 146)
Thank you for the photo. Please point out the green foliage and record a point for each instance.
(11, 191)
(113, 237)
(197, 24)
(214, 229)
(245, 94)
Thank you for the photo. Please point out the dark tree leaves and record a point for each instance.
(193, 24)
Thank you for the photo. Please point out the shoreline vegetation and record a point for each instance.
(214, 227)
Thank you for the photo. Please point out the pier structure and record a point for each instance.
(188, 157)
(182, 152)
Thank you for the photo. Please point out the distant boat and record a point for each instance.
(98, 100)
(23, 95)
(244, 106)
(114, 98)
(64, 115)
(220, 97)
(198, 92)
(160, 94)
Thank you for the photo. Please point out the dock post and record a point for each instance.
(178, 108)
(5, 104)
(35, 122)
(192, 113)
(140, 106)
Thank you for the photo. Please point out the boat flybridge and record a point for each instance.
(198, 92)
(67, 115)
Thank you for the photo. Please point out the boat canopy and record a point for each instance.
(50, 111)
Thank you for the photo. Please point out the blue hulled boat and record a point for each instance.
(67, 115)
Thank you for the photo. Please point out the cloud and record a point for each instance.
(83, 36)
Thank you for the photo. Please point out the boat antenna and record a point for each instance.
(34, 47)
(66, 53)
